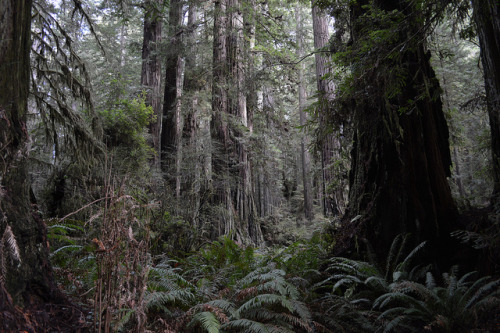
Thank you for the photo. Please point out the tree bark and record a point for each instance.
(333, 196)
(304, 142)
(487, 19)
(151, 69)
(193, 130)
(31, 281)
(400, 157)
(219, 128)
(230, 125)
(172, 123)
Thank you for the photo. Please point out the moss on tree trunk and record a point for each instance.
(31, 282)
(400, 158)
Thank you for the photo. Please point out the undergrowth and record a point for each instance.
(226, 287)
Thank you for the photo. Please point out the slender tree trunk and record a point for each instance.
(221, 141)
(171, 133)
(304, 152)
(179, 124)
(31, 280)
(487, 19)
(123, 52)
(329, 142)
(151, 69)
(192, 130)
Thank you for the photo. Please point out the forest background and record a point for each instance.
(244, 165)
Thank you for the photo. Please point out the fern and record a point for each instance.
(161, 298)
(367, 289)
(246, 325)
(8, 247)
(207, 320)
(456, 306)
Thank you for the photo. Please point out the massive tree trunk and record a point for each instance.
(400, 158)
(304, 142)
(487, 19)
(332, 195)
(151, 68)
(31, 281)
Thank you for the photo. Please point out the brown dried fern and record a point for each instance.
(8, 247)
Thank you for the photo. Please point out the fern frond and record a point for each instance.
(160, 298)
(228, 307)
(64, 228)
(393, 297)
(463, 280)
(250, 326)
(302, 310)
(207, 320)
(403, 266)
(377, 283)
(9, 241)
(262, 274)
(393, 255)
(430, 282)
(345, 281)
(294, 321)
(420, 290)
(265, 300)
(281, 286)
(395, 325)
(67, 248)
(125, 318)
(469, 293)
(488, 290)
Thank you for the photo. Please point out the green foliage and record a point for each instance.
(71, 255)
(167, 288)
(458, 306)
(353, 286)
(220, 263)
(125, 121)
(302, 258)
(207, 320)
(262, 301)
(172, 235)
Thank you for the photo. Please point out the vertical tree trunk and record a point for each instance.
(329, 142)
(123, 52)
(487, 19)
(400, 159)
(192, 129)
(304, 152)
(151, 69)
(32, 280)
(230, 123)
(221, 141)
(179, 124)
(171, 134)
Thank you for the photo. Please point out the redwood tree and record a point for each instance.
(230, 125)
(172, 122)
(329, 143)
(400, 157)
(487, 19)
(30, 281)
(151, 66)
(304, 152)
